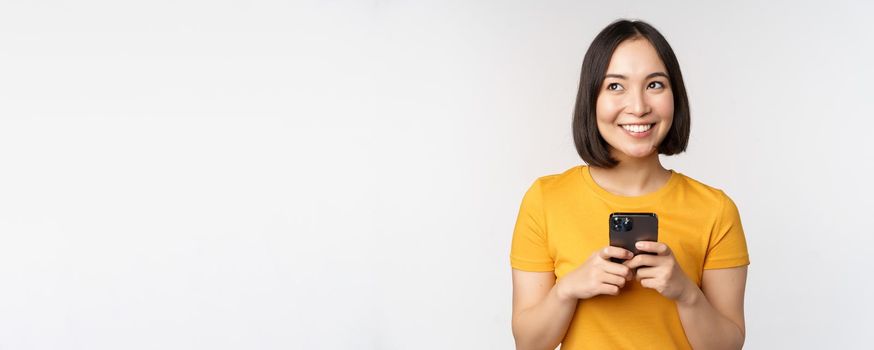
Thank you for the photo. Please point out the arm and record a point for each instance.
(543, 309)
(540, 316)
(714, 318)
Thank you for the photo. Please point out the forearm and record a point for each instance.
(705, 327)
(544, 325)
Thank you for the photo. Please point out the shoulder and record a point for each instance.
(559, 183)
(701, 191)
(704, 196)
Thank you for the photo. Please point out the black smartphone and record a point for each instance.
(626, 229)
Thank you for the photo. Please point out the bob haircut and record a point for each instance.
(591, 146)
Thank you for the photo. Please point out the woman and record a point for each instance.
(631, 107)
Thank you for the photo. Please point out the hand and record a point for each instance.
(597, 275)
(660, 272)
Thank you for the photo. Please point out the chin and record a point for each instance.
(639, 153)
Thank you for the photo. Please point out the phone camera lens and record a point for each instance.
(627, 224)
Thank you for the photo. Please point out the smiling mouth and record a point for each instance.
(637, 128)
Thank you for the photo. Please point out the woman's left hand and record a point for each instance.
(660, 272)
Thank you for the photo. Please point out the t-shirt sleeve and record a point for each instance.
(529, 250)
(728, 245)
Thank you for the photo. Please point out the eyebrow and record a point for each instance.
(650, 76)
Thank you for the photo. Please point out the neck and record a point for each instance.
(632, 176)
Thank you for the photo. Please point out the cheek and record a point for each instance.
(664, 107)
(606, 110)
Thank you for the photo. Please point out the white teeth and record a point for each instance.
(637, 127)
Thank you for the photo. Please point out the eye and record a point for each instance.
(614, 87)
(656, 85)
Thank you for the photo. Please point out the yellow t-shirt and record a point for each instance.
(563, 220)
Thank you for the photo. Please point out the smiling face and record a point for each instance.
(635, 105)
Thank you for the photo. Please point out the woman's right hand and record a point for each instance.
(597, 275)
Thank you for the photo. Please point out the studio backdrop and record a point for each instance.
(347, 174)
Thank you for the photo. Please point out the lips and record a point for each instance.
(638, 130)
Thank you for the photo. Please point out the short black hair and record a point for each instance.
(591, 146)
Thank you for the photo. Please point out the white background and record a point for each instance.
(346, 175)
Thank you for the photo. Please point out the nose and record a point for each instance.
(637, 104)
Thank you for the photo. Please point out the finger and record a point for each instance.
(642, 260)
(608, 289)
(651, 283)
(646, 272)
(613, 279)
(653, 247)
(614, 252)
(616, 269)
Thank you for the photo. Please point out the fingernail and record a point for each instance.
(639, 245)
